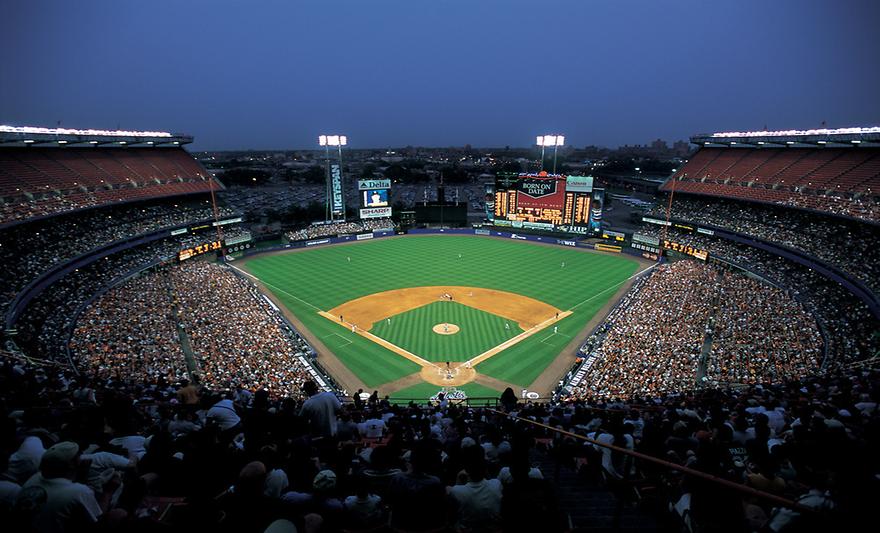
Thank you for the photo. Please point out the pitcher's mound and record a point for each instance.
(446, 329)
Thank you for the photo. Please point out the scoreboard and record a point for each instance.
(200, 249)
(686, 249)
(542, 201)
(375, 198)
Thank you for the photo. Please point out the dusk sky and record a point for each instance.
(275, 74)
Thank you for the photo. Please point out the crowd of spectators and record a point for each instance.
(84, 454)
(129, 331)
(654, 339)
(339, 228)
(29, 250)
(45, 324)
(847, 322)
(808, 439)
(863, 207)
(853, 247)
(690, 324)
(237, 340)
(760, 334)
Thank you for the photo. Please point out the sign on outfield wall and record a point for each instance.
(369, 185)
(647, 239)
(364, 236)
(659, 222)
(336, 189)
(376, 212)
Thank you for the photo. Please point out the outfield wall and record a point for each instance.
(310, 243)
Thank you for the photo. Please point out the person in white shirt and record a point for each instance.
(223, 413)
(478, 502)
(372, 428)
(69, 506)
(321, 409)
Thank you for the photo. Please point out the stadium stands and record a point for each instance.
(822, 176)
(40, 181)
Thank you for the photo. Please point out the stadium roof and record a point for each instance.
(836, 138)
(30, 135)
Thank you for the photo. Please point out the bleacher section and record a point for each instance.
(37, 181)
(838, 180)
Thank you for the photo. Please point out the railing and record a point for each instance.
(737, 487)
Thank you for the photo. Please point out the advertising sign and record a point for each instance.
(647, 239)
(366, 185)
(376, 212)
(542, 193)
(490, 201)
(596, 210)
(336, 190)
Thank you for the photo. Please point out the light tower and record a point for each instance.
(335, 191)
(550, 140)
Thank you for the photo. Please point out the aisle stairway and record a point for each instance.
(591, 507)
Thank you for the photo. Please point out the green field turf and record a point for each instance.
(413, 332)
(323, 278)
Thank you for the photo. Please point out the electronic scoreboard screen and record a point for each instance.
(200, 249)
(542, 200)
(375, 198)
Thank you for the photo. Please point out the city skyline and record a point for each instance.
(275, 75)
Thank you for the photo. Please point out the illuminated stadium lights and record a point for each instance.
(332, 140)
(550, 140)
(335, 208)
(69, 131)
(788, 133)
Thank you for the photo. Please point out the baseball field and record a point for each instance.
(409, 315)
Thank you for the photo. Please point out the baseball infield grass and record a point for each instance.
(413, 331)
(319, 279)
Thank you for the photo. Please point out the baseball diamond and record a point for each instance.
(375, 310)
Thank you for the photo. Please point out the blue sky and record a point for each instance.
(275, 74)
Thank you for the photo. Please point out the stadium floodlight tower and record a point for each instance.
(335, 191)
(550, 140)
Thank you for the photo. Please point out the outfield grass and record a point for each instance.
(413, 332)
(322, 278)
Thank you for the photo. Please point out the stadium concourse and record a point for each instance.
(734, 391)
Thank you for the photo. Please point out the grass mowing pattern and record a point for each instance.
(323, 278)
(479, 331)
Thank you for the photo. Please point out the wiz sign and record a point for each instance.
(336, 187)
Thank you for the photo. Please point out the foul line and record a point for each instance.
(381, 342)
(616, 285)
(274, 287)
(514, 340)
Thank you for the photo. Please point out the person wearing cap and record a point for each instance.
(69, 506)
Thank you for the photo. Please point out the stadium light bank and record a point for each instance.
(335, 210)
(550, 140)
